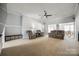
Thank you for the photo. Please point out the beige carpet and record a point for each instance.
(43, 47)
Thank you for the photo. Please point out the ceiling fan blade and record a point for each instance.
(49, 15)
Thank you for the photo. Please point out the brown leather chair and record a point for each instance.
(31, 35)
(39, 33)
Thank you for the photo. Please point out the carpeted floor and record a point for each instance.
(43, 47)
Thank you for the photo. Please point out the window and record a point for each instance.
(51, 27)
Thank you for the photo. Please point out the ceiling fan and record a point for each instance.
(46, 15)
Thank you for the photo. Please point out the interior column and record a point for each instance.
(45, 29)
(57, 26)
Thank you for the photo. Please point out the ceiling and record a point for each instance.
(36, 10)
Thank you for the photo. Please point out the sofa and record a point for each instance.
(59, 34)
(37, 34)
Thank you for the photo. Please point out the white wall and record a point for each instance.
(77, 22)
(3, 14)
(13, 24)
(29, 23)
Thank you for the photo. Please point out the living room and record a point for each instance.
(38, 26)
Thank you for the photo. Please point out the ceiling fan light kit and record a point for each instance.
(46, 15)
